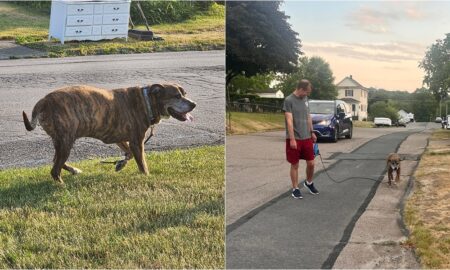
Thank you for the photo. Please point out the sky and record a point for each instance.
(379, 43)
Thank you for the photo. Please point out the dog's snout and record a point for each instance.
(193, 105)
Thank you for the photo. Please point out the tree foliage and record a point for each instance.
(424, 105)
(243, 85)
(317, 71)
(259, 39)
(436, 64)
(383, 109)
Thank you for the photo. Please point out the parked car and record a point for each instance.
(331, 119)
(382, 121)
(445, 122)
(438, 120)
(401, 122)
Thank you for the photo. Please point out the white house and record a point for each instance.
(269, 93)
(355, 95)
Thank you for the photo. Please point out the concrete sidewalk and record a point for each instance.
(10, 50)
(376, 240)
(311, 233)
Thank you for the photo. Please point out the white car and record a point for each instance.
(382, 121)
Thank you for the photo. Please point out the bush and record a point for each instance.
(157, 12)
(43, 6)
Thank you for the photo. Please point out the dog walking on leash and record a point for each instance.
(300, 136)
(120, 116)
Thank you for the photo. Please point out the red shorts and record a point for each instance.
(304, 151)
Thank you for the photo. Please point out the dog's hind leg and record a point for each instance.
(71, 169)
(128, 155)
(137, 148)
(62, 152)
(397, 177)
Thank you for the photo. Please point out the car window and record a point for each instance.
(339, 108)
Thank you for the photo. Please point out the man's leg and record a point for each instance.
(309, 170)
(294, 175)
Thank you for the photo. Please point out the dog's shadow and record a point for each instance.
(27, 194)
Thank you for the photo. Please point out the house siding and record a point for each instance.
(360, 96)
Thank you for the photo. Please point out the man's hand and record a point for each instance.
(293, 144)
(314, 137)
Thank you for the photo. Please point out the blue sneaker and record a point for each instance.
(311, 188)
(297, 194)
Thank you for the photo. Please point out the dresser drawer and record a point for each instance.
(115, 19)
(79, 20)
(78, 31)
(80, 9)
(116, 8)
(115, 29)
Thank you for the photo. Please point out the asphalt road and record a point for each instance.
(307, 233)
(23, 82)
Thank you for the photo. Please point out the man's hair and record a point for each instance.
(303, 84)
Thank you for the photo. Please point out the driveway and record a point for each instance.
(276, 231)
(23, 82)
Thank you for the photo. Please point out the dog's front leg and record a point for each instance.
(397, 177)
(390, 176)
(128, 155)
(137, 148)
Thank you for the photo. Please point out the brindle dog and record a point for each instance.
(393, 164)
(120, 116)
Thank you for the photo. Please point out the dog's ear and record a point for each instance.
(156, 89)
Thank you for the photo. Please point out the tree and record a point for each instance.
(436, 64)
(383, 109)
(424, 105)
(317, 71)
(259, 39)
(242, 85)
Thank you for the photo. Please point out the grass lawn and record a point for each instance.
(427, 210)
(203, 32)
(242, 123)
(173, 218)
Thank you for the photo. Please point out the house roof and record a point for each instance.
(349, 99)
(349, 82)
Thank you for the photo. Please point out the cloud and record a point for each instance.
(393, 52)
(379, 20)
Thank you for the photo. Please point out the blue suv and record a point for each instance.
(331, 119)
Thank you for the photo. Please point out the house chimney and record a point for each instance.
(351, 77)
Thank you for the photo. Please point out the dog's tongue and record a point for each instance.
(189, 117)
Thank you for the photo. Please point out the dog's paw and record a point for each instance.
(120, 164)
(76, 171)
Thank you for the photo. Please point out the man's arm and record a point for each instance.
(311, 129)
(290, 129)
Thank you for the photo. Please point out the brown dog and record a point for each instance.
(120, 116)
(393, 164)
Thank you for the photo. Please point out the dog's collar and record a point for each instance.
(148, 103)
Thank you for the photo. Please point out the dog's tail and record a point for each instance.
(34, 117)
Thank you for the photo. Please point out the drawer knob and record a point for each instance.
(78, 31)
(115, 19)
(116, 8)
(80, 9)
(79, 20)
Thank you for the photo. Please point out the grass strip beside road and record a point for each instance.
(243, 123)
(173, 218)
(203, 32)
(427, 209)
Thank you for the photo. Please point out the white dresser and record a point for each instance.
(89, 20)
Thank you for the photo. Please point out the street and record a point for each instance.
(266, 228)
(23, 82)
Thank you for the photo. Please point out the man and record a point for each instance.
(300, 136)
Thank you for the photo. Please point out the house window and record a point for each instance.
(349, 93)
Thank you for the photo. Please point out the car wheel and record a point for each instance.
(335, 135)
(350, 134)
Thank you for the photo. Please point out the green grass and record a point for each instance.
(19, 21)
(173, 218)
(203, 32)
(243, 123)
